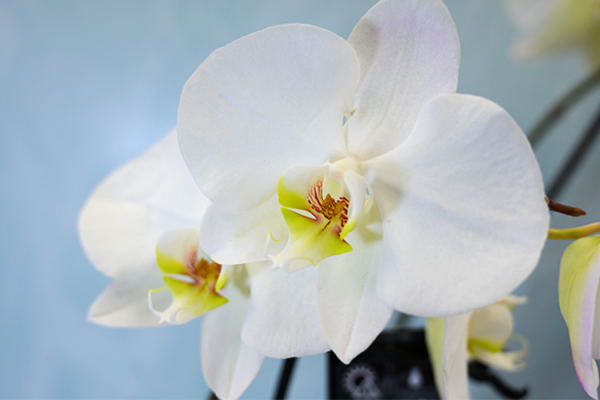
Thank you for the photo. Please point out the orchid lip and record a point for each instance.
(192, 278)
(321, 205)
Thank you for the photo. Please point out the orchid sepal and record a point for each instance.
(578, 299)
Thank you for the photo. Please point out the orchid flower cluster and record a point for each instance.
(313, 186)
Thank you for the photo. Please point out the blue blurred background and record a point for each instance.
(86, 86)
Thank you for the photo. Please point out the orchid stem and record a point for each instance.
(284, 378)
(576, 157)
(566, 102)
(481, 372)
(573, 233)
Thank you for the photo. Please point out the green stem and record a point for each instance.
(573, 233)
(562, 106)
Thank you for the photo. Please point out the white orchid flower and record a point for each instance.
(358, 157)
(579, 304)
(478, 335)
(140, 228)
(551, 26)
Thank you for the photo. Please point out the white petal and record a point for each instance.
(352, 315)
(463, 208)
(122, 220)
(579, 298)
(409, 53)
(361, 200)
(493, 323)
(179, 245)
(236, 238)
(124, 303)
(511, 301)
(229, 365)
(261, 104)
(505, 360)
(455, 359)
(283, 320)
(118, 237)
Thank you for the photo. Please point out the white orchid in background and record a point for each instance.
(579, 304)
(358, 157)
(140, 228)
(551, 26)
(478, 335)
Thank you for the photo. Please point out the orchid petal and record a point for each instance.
(229, 365)
(124, 217)
(505, 360)
(578, 299)
(352, 315)
(280, 92)
(490, 327)
(177, 251)
(280, 325)
(462, 198)
(361, 200)
(409, 53)
(511, 301)
(118, 236)
(124, 303)
(296, 185)
(246, 237)
(455, 358)
(446, 340)
(434, 337)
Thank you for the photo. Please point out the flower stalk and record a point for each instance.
(576, 157)
(573, 233)
(562, 106)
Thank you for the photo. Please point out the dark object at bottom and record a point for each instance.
(284, 378)
(395, 366)
(481, 372)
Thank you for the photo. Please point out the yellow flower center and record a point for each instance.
(193, 282)
(321, 205)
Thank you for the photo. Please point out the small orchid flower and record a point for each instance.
(358, 157)
(192, 277)
(578, 298)
(551, 26)
(478, 335)
(122, 223)
(140, 228)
